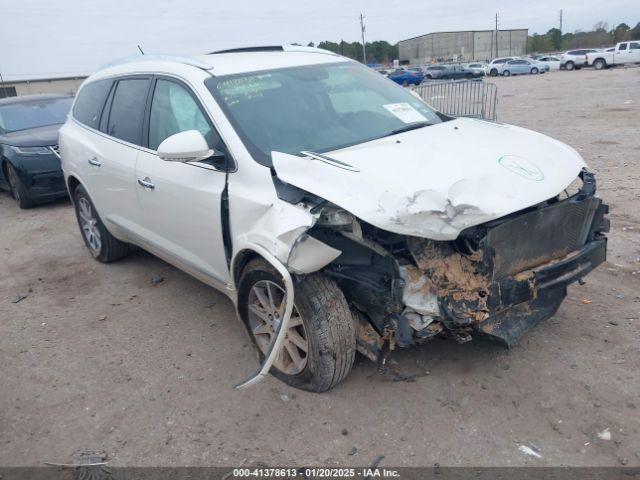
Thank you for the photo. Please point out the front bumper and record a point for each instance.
(522, 301)
(41, 175)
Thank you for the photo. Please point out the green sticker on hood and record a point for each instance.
(521, 166)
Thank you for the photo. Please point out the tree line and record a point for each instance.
(601, 35)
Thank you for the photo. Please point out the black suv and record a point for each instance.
(29, 160)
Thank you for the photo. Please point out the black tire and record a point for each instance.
(405, 83)
(327, 321)
(18, 190)
(110, 248)
(506, 73)
(429, 77)
(600, 64)
(493, 72)
(534, 71)
(569, 66)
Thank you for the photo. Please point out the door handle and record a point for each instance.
(146, 183)
(94, 161)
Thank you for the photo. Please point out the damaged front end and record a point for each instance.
(498, 279)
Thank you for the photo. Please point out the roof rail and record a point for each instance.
(275, 48)
(194, 62)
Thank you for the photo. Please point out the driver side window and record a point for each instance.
(174, 110)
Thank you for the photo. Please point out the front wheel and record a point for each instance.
(103, 246)
(569, 66)
(405, 83)
(599, 64)
(319, 349)
(534, 71)
(493, 72)
(506, 73)
(18, 190)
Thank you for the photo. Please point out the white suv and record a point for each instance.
(338, 211)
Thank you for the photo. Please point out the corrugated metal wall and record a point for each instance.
(466, 46)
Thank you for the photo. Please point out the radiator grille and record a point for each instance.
(540, 236)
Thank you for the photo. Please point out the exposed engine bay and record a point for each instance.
(497, 279)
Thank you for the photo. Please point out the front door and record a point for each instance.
(180, 203)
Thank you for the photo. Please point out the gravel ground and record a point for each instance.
(97, 357)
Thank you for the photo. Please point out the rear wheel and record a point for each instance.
(493, 72)
(103, 246)
(569, 66)
(600, 64)
(18, 190)
(320, 345)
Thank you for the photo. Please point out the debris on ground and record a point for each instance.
(354, 451)
(604, 434)
(345, 431)
(377, 461)
(157, 280)
(530, 450)
(102, 318)
(586, 301)
(18, 299)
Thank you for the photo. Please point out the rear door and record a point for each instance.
(180, 204)
(114, 188)
(634, 52)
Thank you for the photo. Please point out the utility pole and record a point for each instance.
(560, 23)
(497, 35)
(364, 49)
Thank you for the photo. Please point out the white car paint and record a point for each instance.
(624, 53)
(430, 183)
(552, 61)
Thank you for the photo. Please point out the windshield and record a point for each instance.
(33, 114)
(315, 108)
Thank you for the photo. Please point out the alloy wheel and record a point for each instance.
(266, 305)
(13, 182)
(89, 225)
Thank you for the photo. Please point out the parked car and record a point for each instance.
(552, 61)
(355, 218)
(406, 77)
(477, 68)
(543, 67)
(624, 53)
(520, 66)
(574, 59)
(495, 67)
(450, 72)
(29, 160)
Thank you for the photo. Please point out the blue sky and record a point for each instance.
(60, 37)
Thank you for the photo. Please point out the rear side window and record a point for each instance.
(127, 110)
(634, 46)
(90, 101)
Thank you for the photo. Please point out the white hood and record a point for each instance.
(435, 181)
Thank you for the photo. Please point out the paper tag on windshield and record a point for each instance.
(405, 112)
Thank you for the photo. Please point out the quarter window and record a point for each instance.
(90, 101)
(634, 46)
(174, 110)
(127, 110)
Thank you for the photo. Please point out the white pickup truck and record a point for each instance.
(624, 53)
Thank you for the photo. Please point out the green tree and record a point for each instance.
(634, 33)
(621, 33)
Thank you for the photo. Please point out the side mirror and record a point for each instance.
(188, 146)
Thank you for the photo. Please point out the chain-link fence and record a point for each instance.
(461, 98)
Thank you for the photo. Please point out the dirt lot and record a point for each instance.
(97, 357)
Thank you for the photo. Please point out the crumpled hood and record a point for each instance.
(33, 137)
(435, 181)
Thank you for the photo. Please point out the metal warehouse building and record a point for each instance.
(16, 85)
(463, 46)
